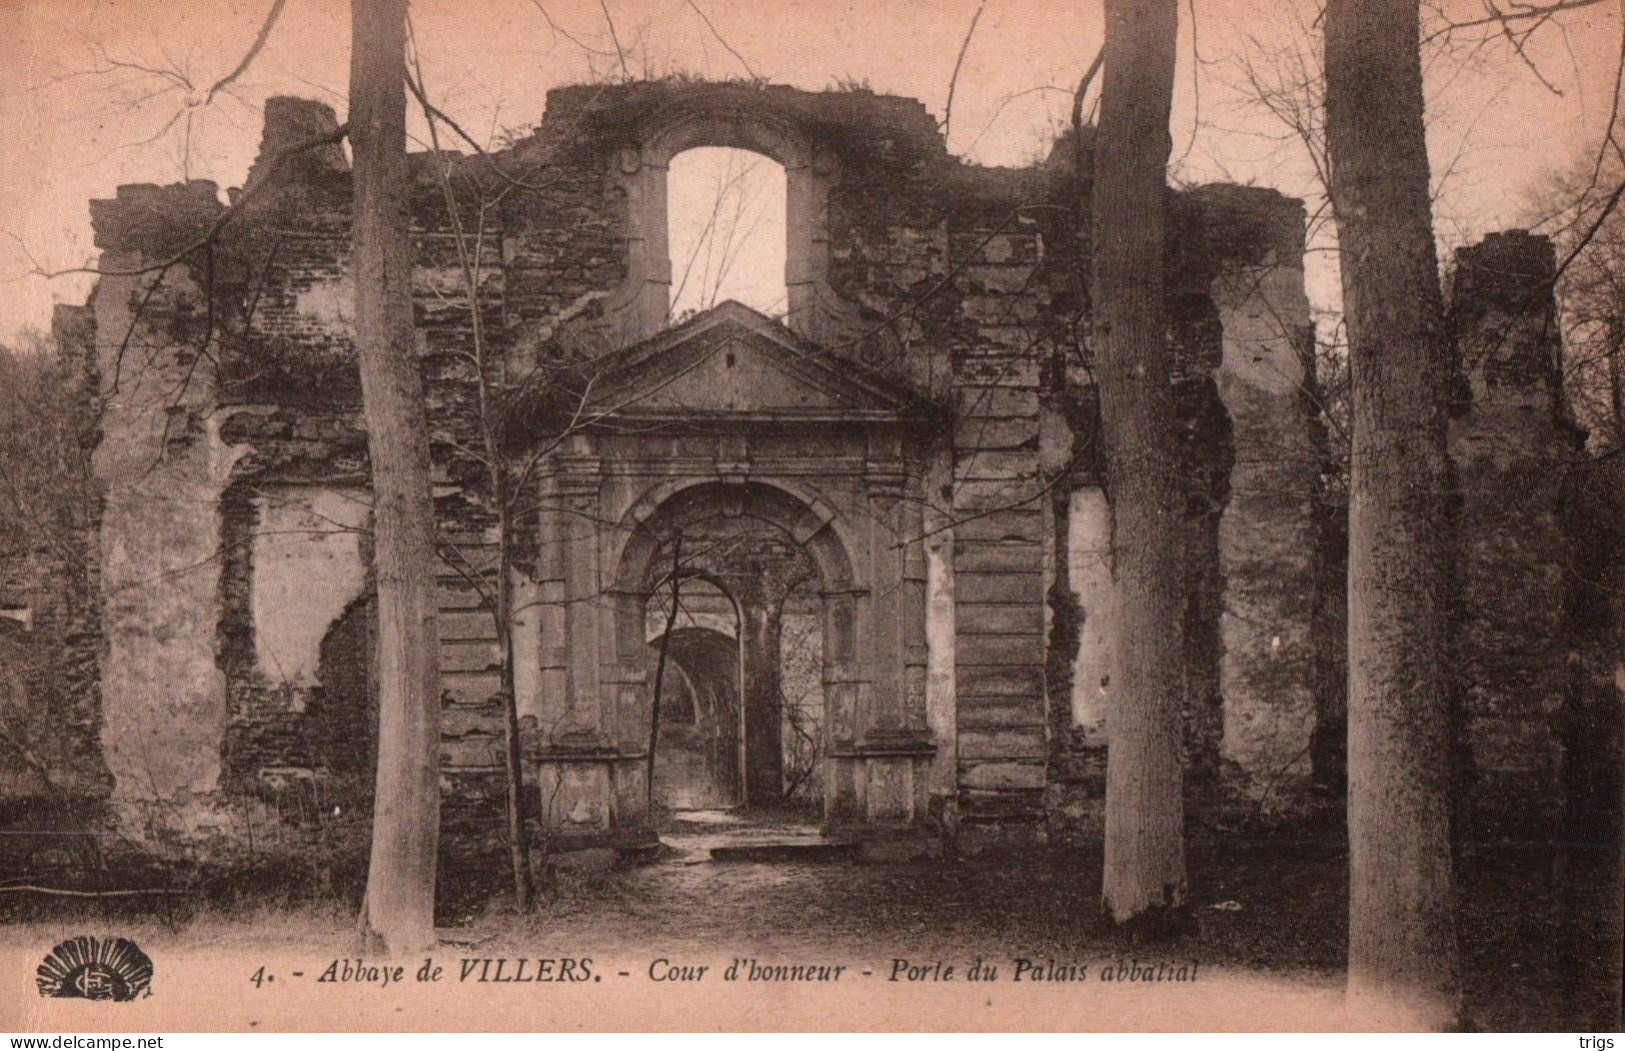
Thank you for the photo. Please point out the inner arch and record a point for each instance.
(697, 754)
(787, 575)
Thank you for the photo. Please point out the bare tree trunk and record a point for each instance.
(1402, 934)
(512, 738)
(399, 906)
(1145, 848)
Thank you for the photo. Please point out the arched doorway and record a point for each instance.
(711, 752)
(736, 452)
(774, 558)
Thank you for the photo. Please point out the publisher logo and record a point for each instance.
(96, 969)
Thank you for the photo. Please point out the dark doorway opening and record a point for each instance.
(740, 737)
(697, 755)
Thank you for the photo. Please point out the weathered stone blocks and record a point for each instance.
(939, 464)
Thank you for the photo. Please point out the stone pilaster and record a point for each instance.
(999, 550)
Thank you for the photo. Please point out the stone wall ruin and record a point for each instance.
(942, 452)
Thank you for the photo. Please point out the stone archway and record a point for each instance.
(759, 543)
(730, 422)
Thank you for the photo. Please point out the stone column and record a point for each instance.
(914, 592)
(640, 310)
(880, 746)
(526, 630)
(1268, 527)
(843, 669)
(1511, 445)
(162, 469)
(577, 487)
(886, 717)
(553, 694)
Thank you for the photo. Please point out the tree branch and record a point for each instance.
(730, 48)
(953, 80)
(615, 38)
(253, 50)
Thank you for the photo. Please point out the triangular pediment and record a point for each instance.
(733, 362)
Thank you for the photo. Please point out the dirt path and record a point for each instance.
(1269, 928)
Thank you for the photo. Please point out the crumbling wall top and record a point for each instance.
(302, 133)
(1505, 271)
(157, 221)
(624, 114)
(1251, 224)
(1503, 315)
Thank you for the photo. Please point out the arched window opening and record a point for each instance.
(727, 228)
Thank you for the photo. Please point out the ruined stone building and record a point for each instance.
(886, 507)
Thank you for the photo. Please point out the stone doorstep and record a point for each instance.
(790, 848)
(813, 847)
